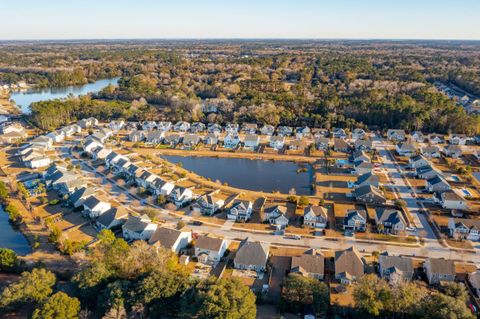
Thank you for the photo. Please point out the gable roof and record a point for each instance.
(442, 266)
(209, 243)
(388, 215)
(137, 224)
(114, 213)
(349, 262)
(252, 253)
(166, 237)
(313, 264)
(316, 210)
(404, 264)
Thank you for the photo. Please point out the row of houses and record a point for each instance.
(397, 135)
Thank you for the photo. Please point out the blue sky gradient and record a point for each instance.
(351, 19)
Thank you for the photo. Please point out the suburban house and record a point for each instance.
(369, 194)
(78, 197)
(249, 128)
(241, 210)
(349, 265)
(101, 153)
(231, 128)
(396, 135)
(358, 134)
(464, 228)
(42, 141)
(231, 140)
(210, 139)
(360, 156)
(389, 221)
(161, 187)
(172, 239)
(431, 151)
(363, 145)
(339, 133)
(172, 140)
(181, 196)
(155, 137)
(439, 269)
(284, 130)
(427, 172)
(190, 141)
(437, 184)
(340, 145)
(210, 249)
(34, 159)
(436, 139)
(138, 228)
(56, 136)
(112, 218)
(267, 130)
(452, 199)
(91, 145)
(275, 215)
(197, 127)
(457, 139)
(322, 143)
(315, 217)
(164, 126)
(252, 255)
(181, 126)
(277, 142)
(367, 179)
(297, 145)
(309, 265)
(136, 136)
(89, 122)
(116, 125)
(209, 204)
(405, 149)
(418, 137)
(361, 167)
(149, 125)
(418, 161)
(94, 206)
(302, 132)
(355, 220)
(453, 151)
(214, 128)
(395, 269)
(474, 280)
(251, 141)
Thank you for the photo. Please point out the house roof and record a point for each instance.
(367, 189)
(241, 204)
(252, 253)
(349, 262)
(388, 215)
(271, 209)
(367, 177)
(442, 266)
(437, 179)
(474, 279)
(114, 213)
(316, 210)
(83, 192)
(251, 138)
(404, 264)
(209, 243)
(166, 237)
(92, 201)
(313, 264)
(137, 224)
(451, 196)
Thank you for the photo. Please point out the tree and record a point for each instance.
(440, 306)
(292, 199)
(299, 291)
(32, 286)
(13, 214)
(23, 191)
(455, 290)
(161, 199)
(221, 299)
(303, 201)
(8, 259)
(3, 192)
(372, 295)
(59, 305)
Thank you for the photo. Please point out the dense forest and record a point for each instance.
(321, 83)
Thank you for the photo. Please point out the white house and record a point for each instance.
(210, 250)
(418, 161)
(315, 217)
(94, 206)
(437, 184)
(231, 141)
(277, 142)
(181, 126)
(453, 199)
(172, 239)
(112, 218)
(38, 161)
(181, 196)
(464, 228)
(389, 221)
(209, 204)
(439, 269)
(241, 210)
(138, 228)
(275, 215)
(91, 145)
(251, 141)
(405, 149)
(396, 135)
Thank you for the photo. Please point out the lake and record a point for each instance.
(11, 238)
(257, 175)
(23, 99)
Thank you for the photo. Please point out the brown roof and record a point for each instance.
(349, 262)
(442, 266)
(209, 243)
(313, 264)
(166, 237)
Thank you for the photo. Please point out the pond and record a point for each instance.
(257, 175)
(11, 238)
(23, 99)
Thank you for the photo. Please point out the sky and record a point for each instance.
(319, 19)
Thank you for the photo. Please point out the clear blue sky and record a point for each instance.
(404, 19)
